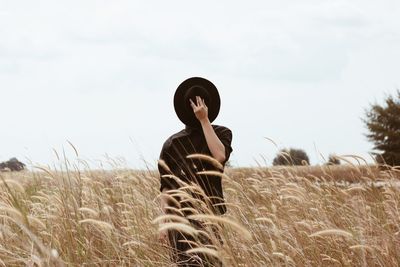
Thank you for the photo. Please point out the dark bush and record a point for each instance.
(291, 156)
(12, 164)
(333, 160)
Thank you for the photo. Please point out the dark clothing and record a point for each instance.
(180, 243)
(192, 141)
(186, 142)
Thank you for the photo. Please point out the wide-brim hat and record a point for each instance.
(189, 89)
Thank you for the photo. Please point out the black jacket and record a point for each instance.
(192, 141)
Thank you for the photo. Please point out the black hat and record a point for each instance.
(189, 89)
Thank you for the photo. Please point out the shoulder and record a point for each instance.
(222, 130)
(173, 137)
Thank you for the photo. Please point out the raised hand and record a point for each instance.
(215, 145)
(200, 109)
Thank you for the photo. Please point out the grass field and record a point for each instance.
(276, 217)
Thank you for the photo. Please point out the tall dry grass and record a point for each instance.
(276, 217)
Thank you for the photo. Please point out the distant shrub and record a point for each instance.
(291, 156)
(333, 160)
(12, 164)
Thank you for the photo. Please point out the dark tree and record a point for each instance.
(383, 123)
(291, 156)
(333, 160)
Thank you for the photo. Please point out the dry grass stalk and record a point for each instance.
(203, 250)
(332, 232)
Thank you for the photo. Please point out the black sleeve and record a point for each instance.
(225, 135)
(164, 165)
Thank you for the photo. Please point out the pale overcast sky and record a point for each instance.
(102, 74)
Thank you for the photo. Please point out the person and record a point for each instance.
(197, 104)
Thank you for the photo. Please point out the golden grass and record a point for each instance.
(332, 232)
(293, 216)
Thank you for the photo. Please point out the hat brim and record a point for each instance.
(181, 100)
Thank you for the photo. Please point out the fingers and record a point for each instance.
(200, 102)
(204, 103)
(192, 104)
(163, 238)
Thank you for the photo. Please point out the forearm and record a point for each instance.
(215, 145)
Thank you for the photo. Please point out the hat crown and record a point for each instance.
(194, 91)
(189, 89)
